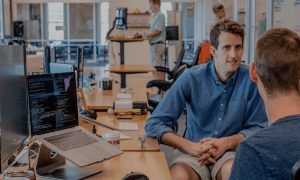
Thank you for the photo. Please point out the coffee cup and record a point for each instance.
(112, 137)
(106, 84)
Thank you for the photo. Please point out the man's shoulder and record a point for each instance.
(198, 69)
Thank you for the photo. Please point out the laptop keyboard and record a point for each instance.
(71, 140)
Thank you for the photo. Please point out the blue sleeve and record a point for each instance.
(159, 23)
(255, 117)
(247, 164)
(165, 116)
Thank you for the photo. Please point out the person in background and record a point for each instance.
(223, 107)
(157, 36)
(219, 11)
(272, 152)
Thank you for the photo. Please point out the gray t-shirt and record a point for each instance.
(158, 23)
(269, 153)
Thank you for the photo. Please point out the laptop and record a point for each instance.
(54, 120)
(59, 68)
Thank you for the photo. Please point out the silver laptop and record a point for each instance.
(54, 120)
(59, 68)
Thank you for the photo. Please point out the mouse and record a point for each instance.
(135, 176)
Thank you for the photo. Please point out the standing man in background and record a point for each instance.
(157, 36)
(219, 12)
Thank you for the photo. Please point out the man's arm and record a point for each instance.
(154, 33)
(165, 116)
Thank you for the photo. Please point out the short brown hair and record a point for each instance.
(277, 61)
(217, 7)
(225, 26)
(155, 2)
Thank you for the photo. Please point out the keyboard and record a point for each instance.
(84, 117)
(71, 140)
(128, 126)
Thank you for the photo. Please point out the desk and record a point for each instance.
(122, 41)
(153, 164)
(99, 99)
(130, 144)
(128, 69)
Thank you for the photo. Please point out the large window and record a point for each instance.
(104, 21)
(1, 20)
(55, 13)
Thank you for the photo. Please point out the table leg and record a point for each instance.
(123, 80)
(122, 61)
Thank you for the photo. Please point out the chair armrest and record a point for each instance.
(162, 69)
(160, 84)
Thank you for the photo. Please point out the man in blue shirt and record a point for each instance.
(223, 106)
(272, 152)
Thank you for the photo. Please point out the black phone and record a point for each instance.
(89, 113)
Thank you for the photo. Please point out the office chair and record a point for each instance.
(163, 86)
(296, 171)
(195, 58)
(171, 73)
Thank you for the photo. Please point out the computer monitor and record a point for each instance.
(13, 103)
(172, 33)
(121, 18)
(52, 102)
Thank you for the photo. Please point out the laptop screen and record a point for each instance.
(52, 102)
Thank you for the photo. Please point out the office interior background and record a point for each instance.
(67, 23)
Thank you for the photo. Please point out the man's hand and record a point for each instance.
(220, 146)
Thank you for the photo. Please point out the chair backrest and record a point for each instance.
(205, 55)
(178, 62)
(296, 171)
(196, 57)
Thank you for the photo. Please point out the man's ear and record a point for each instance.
(213, 51)
(252, 73)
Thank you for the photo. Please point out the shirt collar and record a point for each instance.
(215, 76)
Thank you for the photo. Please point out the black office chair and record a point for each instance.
(163, 86)
(178, 63)
(296, 171)
(196, 57)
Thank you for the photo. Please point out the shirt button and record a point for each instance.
(220, 119)
(222, 104)
(224, 91)
(216, 132)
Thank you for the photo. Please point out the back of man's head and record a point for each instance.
(277, 61)
(217, 7)
(225, 26)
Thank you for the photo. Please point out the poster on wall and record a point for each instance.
(285, 12)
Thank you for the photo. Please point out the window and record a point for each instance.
(104, 21)
(1, 20)
(165, 7)
(55, 21)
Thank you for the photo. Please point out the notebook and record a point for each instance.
(54, 120)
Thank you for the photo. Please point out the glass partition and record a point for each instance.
(1, 21)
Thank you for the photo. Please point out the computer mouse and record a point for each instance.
(135, 176)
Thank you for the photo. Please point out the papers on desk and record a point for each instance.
(124, 96)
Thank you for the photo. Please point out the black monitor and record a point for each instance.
(172, 33)
(13, 102)
(121, 18)
(52, 102)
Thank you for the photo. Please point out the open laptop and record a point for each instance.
(54, 120)
(59, 68)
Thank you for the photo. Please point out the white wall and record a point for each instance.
(135, 52)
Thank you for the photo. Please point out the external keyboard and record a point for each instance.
(128, 126)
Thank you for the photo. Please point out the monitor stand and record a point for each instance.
(56, 167)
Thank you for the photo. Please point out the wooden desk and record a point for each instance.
(130, 144)
(128, 69)
(99, 99)
(153, 164)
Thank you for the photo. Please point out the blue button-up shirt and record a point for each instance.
(213, 109)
